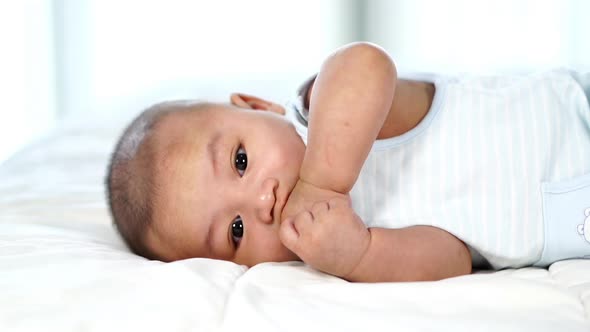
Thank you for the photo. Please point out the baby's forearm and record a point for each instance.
(351, 98)
(418, 253)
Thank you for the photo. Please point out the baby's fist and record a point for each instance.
(330, 237)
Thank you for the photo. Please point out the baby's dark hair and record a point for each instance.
(131, 189)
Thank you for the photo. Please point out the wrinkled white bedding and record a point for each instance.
(63, 268)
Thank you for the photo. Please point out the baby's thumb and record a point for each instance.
(288, 234)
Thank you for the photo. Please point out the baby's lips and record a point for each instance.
(277, 210)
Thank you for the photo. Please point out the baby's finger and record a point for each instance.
(289, 235)
(338, 202)
(318, 208)
(303, 222)
(293, 228)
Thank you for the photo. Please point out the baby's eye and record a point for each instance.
(241, 161)
(237, 230)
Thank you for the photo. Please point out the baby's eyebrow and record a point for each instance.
(212, 148)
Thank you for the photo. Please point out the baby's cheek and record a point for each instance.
(289, 159)
(276, 164)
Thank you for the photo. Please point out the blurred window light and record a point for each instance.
(66, 58)
(457, 36)
(27, 79)
(118, 49)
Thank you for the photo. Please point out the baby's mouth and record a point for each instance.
(275, 212)
(277, 209)
(280, 206)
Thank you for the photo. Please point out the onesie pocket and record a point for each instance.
(566, 219)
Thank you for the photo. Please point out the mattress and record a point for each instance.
(64, 268)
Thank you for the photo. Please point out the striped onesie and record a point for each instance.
(501, 162)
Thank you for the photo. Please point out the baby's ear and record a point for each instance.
(255, 103)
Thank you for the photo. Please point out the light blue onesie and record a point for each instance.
(501, 162)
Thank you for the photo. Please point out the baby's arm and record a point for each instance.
(350, 101)
(332, 238)
(415, 253)
(351, 98)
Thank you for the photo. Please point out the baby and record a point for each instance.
(370, 177)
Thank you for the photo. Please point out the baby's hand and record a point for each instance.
(330, 237)
(304, 195)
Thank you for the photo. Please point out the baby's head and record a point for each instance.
(194, 179)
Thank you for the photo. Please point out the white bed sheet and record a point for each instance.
(63, 268)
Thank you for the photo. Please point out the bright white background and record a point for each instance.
(62, 59)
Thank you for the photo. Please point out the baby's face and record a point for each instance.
(224, 175)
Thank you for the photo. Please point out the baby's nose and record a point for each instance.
(265, 200)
